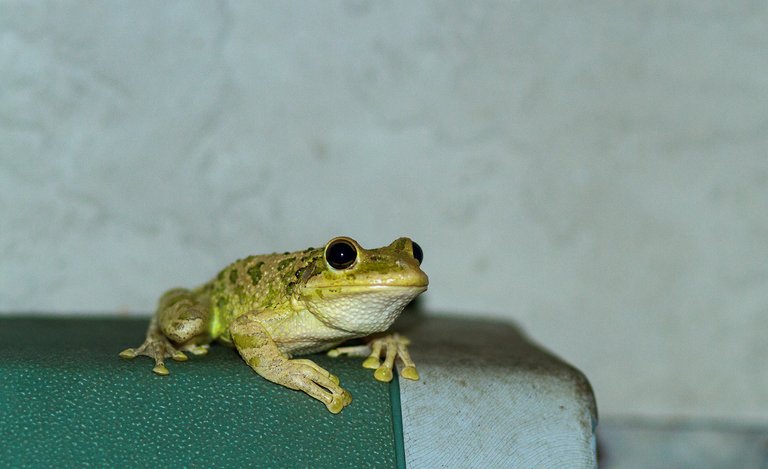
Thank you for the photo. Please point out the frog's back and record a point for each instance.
(257, 282)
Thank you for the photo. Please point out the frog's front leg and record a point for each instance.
(181, 319)
(262, 354)
(394, 346)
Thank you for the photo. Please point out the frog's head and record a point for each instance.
(363, 291)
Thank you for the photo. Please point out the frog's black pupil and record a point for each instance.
(341, 254)
(417, 252)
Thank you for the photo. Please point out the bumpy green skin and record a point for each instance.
(265, 282)
(273, 307)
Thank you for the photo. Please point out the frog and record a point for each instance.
(276, 308)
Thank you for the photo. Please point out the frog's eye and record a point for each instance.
(417, 252)
(340, 254)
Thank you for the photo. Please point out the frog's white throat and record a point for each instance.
(360, 311)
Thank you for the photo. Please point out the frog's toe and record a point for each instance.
(318, 369)
(128, 354)
(409, 372)
(196, 349)
(335, 406)
(383, 373)
(346, 397)
(339, 401)
(351, 351)
(161, 370)
(371, 363)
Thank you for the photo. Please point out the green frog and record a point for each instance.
(274, 307)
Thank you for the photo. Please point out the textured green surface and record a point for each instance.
(66, 399)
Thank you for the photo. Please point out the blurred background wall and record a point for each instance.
(595, 171)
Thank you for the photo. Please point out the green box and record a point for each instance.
(68, 400)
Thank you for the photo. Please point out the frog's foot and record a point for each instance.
(308, 376)
(157, 347)
(394, 346)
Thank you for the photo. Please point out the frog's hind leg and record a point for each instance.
(181, 324)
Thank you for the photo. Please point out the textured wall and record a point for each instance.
(597, 171)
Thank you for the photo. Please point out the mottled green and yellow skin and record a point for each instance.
(273, 307)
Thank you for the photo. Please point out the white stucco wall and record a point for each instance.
(596, 171)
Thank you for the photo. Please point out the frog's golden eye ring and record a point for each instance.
(340, 254)
(418, 254)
